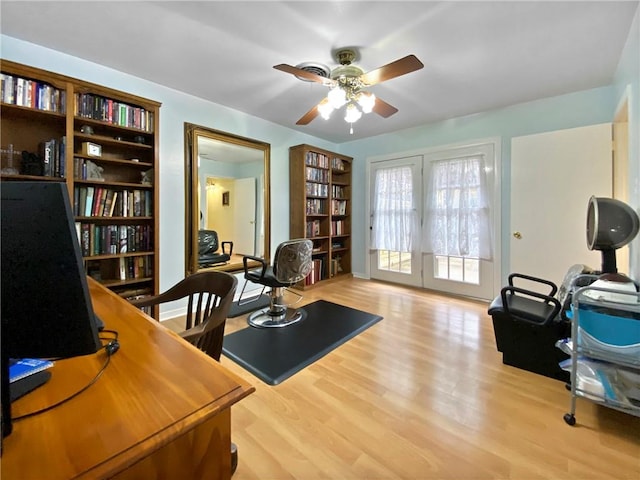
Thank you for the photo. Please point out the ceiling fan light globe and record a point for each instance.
(352, 114)
(337, 97)
(366, 101)
(325, 109)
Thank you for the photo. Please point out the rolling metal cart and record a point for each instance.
(604, 349)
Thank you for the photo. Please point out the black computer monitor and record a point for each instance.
(46, 309)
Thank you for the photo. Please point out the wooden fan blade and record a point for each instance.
(383, 109)
(311, 114)
(298, 72)
(405, 65)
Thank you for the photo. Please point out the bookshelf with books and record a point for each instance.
(104, 145)
(320, 209)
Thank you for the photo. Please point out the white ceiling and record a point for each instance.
(478, 56)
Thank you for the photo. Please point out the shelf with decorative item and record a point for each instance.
(90, 137)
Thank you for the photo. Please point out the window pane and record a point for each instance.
(405, 263)
(456, 269)
(383, 259)
(394, 261)
(472, 271)
(441, 267)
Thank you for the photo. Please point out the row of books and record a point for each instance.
(317, 272)
(124, 268)
(317, 189)
(80, 168)
(113, 239)
(337, 164)
(338, 227)
(135, 267)
(25, 92)
(335, 266)
(313, 229)
(316, 206)
(338, 207)
(96, 107)
(338, 191)
(90, 201)
(316, 159)
(52, 155)
(317, 175)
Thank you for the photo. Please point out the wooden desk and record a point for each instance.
(161, 409)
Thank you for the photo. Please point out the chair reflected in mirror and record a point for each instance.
(292, 262)
(208, 246)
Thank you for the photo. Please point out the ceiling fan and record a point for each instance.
(348, 84)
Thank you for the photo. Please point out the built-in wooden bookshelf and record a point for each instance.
(104, 145)
(320, 209)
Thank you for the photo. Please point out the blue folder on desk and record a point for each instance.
(27, 374)
(22, 368)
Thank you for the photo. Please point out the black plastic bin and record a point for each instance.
(527, 324)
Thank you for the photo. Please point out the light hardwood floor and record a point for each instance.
(423, 394)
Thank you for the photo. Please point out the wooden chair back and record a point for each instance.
(209, 297)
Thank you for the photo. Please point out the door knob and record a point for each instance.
(517, 235)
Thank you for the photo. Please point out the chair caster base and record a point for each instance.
(265, 319)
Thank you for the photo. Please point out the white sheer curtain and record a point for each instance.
(394, 214)
(457, 216)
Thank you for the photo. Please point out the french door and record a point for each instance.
(463, 273)
(388, 264)
(470, 274)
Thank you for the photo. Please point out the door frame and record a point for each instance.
(497, 197)
(620, 168)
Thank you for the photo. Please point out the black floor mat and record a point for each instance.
(237, 310)
(274, 354)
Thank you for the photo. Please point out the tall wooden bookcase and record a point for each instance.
(103, 144)
(320, 209)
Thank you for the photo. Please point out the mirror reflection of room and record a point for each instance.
(229, 206)
(227, 202)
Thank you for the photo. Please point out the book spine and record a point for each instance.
(89, 205)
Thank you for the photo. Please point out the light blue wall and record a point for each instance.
(566, 111)
(177, 108)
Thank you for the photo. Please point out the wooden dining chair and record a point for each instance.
(209, 297)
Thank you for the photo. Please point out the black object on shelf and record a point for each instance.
(21, 387)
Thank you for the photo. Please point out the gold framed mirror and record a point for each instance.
(227, 192)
